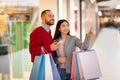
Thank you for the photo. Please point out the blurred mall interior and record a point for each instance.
(19, 17)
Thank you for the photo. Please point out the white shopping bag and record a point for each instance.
(48, 69)
(90, 64)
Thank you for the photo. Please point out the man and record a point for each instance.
(41, 36)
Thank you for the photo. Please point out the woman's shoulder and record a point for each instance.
(72, 37)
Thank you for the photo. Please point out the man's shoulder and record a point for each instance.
(39, 28)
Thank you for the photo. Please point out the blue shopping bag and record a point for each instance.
(44, 68)
(55, 73)
(41, 69)
(35, 68)
(77, 67)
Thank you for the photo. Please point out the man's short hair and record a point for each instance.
(44, 12)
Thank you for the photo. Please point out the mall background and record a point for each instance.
(19, 17)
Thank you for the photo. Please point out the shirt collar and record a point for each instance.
(46, 28)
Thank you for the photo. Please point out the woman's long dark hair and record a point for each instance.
(57, 32)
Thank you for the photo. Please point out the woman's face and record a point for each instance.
(64, 28)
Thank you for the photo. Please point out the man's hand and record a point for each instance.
(54, 46)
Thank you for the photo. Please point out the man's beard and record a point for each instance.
(50, 22)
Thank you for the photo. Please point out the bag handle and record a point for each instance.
(44, 51)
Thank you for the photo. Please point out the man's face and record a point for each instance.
(49, 18)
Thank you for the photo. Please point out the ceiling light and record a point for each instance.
(99, 13)
(117, 7)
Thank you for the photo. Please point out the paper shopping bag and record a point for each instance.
(77, 67)
(35, 67)
(48, 69)
(81, 75)
(90, 64)
(73, 68)
(41, 69)
(55, 73)
(44, 68)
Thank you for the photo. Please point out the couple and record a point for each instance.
(61, 46)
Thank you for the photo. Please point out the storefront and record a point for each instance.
(19, 17)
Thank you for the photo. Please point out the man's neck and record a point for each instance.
(46, 25)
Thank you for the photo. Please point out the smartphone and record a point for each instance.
(60, 42)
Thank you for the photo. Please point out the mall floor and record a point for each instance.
(107, 46)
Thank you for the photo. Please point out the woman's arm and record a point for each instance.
(86, 43)
(83, 45)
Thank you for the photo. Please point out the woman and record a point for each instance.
(67, 45)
